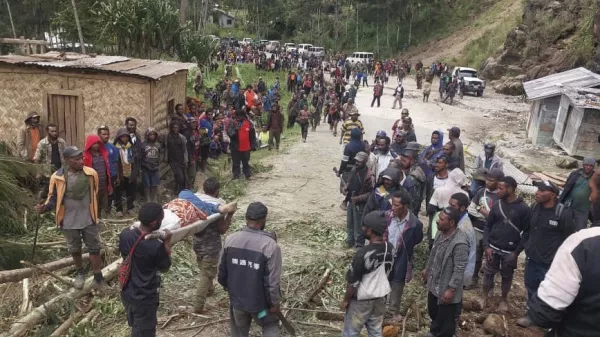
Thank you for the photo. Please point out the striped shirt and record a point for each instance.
(347, 127)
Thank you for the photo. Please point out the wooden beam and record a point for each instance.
(22, 41)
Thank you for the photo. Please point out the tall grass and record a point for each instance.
(492, 40)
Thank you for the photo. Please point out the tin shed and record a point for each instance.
(578, 122)
(82, 92)
(545, 96)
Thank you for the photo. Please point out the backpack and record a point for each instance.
(125, 268)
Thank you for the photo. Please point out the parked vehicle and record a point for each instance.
(360, 56)
(246, 41)
(316, 51)
(469, 81)
(303, 48)
(272, 46)
(288, 46)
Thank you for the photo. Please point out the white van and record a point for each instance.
(316, 51)
(288, 47)
(360, 56)
(272, 46)
(303, 48)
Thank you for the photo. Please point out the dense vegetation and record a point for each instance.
(155, 28)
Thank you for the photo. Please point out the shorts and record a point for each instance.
(150, 178)
(90, 236)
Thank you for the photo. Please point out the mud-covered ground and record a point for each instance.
(303, 197)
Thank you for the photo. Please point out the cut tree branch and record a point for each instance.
(46, 271)
(320, 285)
(16, 275)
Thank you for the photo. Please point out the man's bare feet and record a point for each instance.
(228, 208)
(394, 320)
(503, 306)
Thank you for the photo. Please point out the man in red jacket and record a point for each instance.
(96, 157)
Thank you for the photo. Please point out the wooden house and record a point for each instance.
(578, 122)
(82, 92)
(545, 96)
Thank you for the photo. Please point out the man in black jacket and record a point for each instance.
(502, 239)
(250, 271)
(149, 258)
(551, 224)
(576, 193)
(568, 299)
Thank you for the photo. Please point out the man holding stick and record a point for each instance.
(148, 257)
(72, 195)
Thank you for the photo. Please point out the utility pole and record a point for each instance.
(78, 26)
(378, 40)
(12, 24)
(335, 25)
(357, 26)
(319, 24)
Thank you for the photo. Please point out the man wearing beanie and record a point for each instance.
(576, 193)
(250, 271)
(363, 307)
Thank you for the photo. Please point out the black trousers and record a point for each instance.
(378, 99)
(127, 189)
(180, 173)
(242, 157)
(141, 318)
(304, 129)
(443, 317)
(291, 121)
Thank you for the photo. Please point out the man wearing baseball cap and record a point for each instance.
(576, 194)
(364, 308)
(551, 224)
(487, 159)
(479, 209)
(72, 196)
(250, 271)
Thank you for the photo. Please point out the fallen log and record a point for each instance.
(16, 275)
(25, 305)
(63, 328)
(46, 271)
(23, 324)
(319, 286)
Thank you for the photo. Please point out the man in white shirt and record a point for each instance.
(398, 95)
(383, 155)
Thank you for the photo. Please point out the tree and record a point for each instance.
(78, 26)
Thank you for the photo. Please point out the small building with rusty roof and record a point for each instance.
(80, 92)
(545, 95)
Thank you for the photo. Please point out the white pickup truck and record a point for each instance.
(246, 41)
(472, 83)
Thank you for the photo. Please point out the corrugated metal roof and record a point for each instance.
(551, 85)
(583, 97)
(152, 69)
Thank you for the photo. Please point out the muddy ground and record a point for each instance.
(303, 199)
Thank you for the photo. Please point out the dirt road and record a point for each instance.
(302, 195)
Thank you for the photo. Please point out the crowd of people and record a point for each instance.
(391, 185)
(474, 228)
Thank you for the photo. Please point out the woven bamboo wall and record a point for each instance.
(167, 88)
(20, 94)
(110, 101)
